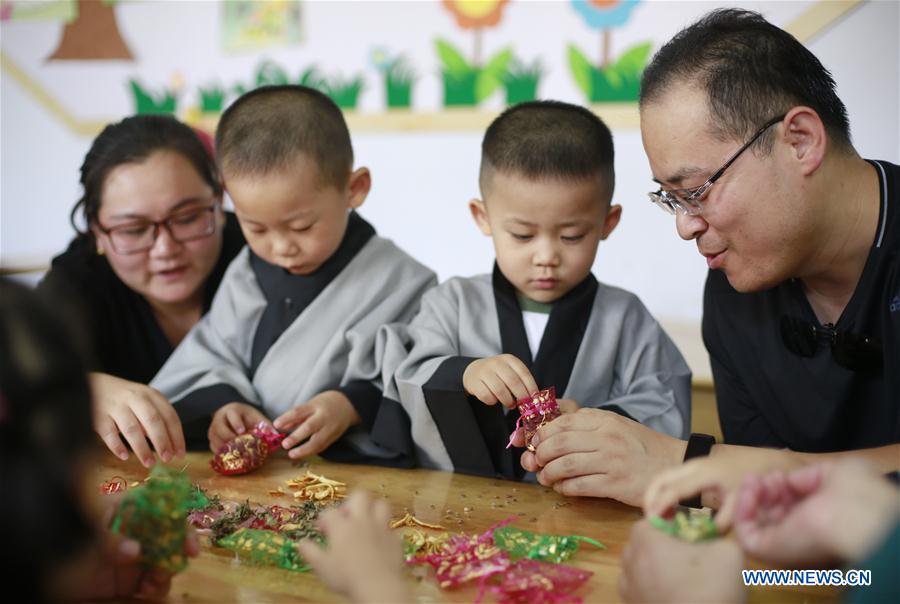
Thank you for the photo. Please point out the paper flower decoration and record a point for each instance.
(475, 14)
(602, 14)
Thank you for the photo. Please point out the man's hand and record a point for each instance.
(601, 454)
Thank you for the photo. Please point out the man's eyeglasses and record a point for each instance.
(140, 235)
(688, 201)
(851, 350)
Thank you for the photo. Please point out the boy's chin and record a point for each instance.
(543, 296)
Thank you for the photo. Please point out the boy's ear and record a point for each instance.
(807, 136)
(359, 185)
(220, 211)
(479, 213)
(613, 215)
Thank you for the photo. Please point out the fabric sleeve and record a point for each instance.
(376, 349)
(447, 427)
(418, 350)
(653, 381)
(211, 365)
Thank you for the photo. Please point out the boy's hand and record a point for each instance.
(232, 420)
(567, 405)
(359, 539)
(322, 420)
(501, 379)
(657, 567)
(111, 568)
(837, 510)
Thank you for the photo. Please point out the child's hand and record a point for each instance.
(501, 379)
(567, 405)
(111, 569)
(838, 510)
(322, 420)
(232, 420)
(657, 567)
(363, 559)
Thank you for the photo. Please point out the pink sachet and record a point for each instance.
(535, 411)
(538, 582)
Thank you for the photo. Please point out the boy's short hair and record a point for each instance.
(750, 70)
(548, 140)
(267, 128)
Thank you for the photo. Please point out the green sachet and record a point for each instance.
(687, 527)
(520, 543)
(155, 514)
(264, 548)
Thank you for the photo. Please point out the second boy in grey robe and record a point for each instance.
(601, 347)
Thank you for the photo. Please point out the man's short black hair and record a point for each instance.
(267, 128)
(548, 140)
(751, 71)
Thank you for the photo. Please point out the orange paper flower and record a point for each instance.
(475, 14)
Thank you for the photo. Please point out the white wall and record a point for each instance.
(422, 180)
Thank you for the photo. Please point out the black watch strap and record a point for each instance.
(699, 445)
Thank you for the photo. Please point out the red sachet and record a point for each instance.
(468, 558)
(535, 411)
(246, 452)
(538, 582)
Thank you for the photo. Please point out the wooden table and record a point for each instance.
(458, 502)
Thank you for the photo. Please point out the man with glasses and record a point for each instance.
(750, 147)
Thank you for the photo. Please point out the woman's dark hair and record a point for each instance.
(45, 431)
(132, 140)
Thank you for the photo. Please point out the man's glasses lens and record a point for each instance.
(851, 350)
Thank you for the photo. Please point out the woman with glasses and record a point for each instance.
(144, 269)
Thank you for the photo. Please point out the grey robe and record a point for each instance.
(601, 347)
(328, 345)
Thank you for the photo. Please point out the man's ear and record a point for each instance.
(613, 215)
(479, 213)
(359, 185)
(807, 137)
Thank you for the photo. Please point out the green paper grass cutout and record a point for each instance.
(618, 82)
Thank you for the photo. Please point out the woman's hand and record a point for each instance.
(139, 413)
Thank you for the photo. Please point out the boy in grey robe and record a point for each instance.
(298, 309)
(541, 319)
